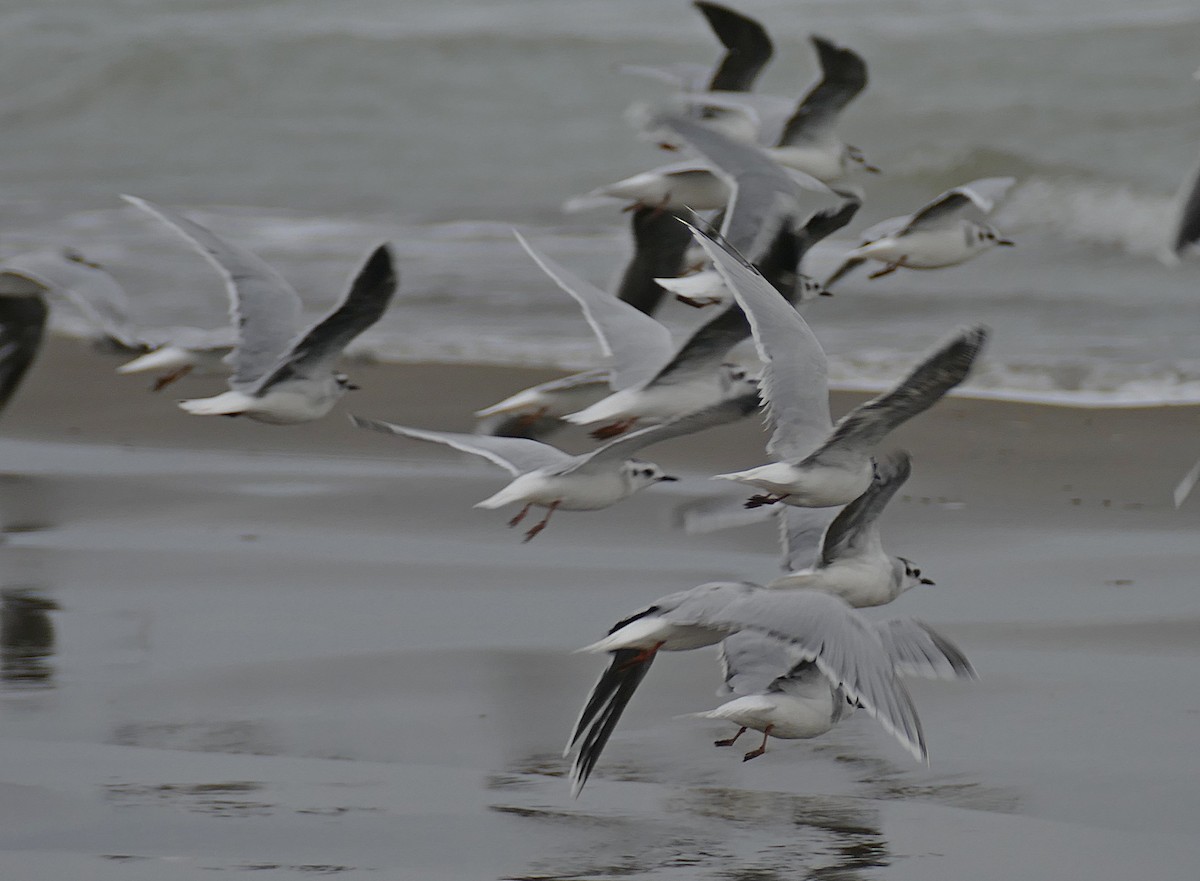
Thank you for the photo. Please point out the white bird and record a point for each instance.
(280, 377)
(790, 698)
(945, 232)
(23, 313)
(817, 463)
(851, 562)
(845, 647)
(549, 478)
(660, 245)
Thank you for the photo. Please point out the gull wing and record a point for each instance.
(660, 245)
(22, 320)
(801, 531)
(764, 196)
(916, 649)
(869, 423)
(751, 662)
(636, 344)
(264, 308)
(843, 76)
(842, 643)
(748, 47)
(948, 208)
(94, 293)
(1186, 233)
(794, 385)
(626, 446)
(516, 455)
(364, 304)
(855, 524)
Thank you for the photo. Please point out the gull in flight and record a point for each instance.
(660, 246)
(851, 562)
(279, 376)
(947, 231)
(819, 464)
(850, 652)
(549, 478)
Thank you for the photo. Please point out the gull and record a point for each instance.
(942, 233)
(280, 377)
(748, 50)
(1185, 233)
(819, 464)
(764, 199)
(23, 315)
(663, 383)
(852, 562)
(103, 303)
(822, 628)
(549, 478)
(660, 245)
(786, 698)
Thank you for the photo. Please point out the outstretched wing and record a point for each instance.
(516, 455)
(660, 243)
(264, 308)
(794, 385)
(979, 195)
(916, 649)
(636, 344)
(748, 47)
(850, 529)
(869, 423)
(22, 319)
(843, 76)
(364, 304)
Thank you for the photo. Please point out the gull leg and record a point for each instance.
(765, 499)
(889, 269)
(163, 381)
(604, 432)
(529, 419)
(729, 741)
(539, 526)
(643, 656)
(755, 753)
(663, 145)
(698, 302)
(520, 516)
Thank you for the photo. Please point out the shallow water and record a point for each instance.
(439, 127)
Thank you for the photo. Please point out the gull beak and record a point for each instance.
(824, 293)
(1008, 243)
(669, 478)
(928, 581)
(873, 169)
(351, 387)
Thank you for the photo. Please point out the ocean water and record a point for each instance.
(311, 131)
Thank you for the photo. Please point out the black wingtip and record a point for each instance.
(603, 710)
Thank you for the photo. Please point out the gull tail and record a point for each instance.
(603, 710)
(227, 404)
(588, 201)
(166, 358)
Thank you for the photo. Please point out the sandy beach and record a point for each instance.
(231, 647)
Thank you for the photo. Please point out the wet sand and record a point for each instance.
(231, 647)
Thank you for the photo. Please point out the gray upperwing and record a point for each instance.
(748, 46)
(364, 304)
(801, 531)
(636, 344)
(750, 662)
(842, 643)
(22, 321)
(843, 76)
(948, 208)
(869, 423)
(850, 528)
(916, 649)
(794, 384)
(516, 455)
(264, 308)
(626, 446)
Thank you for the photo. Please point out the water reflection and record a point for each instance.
(26, 638)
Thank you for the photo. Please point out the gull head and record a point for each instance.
(343, 383)
(738, 380)
(983, 236)
(640, 475)
(909, 575)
